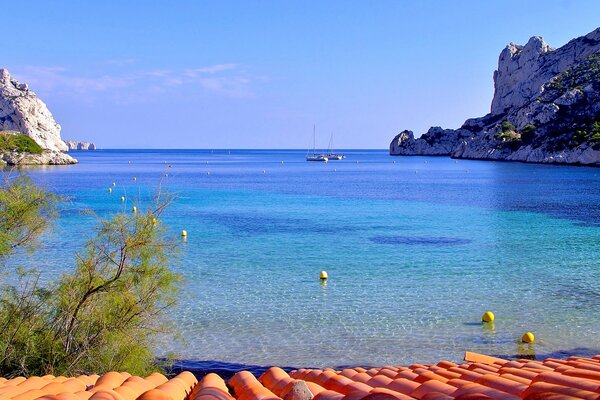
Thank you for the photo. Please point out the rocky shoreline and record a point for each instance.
(48, 157)
(546, 109)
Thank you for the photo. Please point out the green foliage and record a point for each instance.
(508, 132)
(595, 131)
(14, 141)
(25, 212)
(576, 77)
(102, 316)
(591, 132)
(507, 127)
(579, 136)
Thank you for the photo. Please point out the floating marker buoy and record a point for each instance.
(122, 198)
(207, 172)
(357, 161)
(207, 162)
(264, 172)
(323, 275)
(134, 178)
(335, 170)
(394, 161)
(528, 337)
(109, 190)
(184, 233)
(488, 317)
(282, 162)
(128, 162)
(134, 209)
(114, 184)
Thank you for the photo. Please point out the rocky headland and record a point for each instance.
(75, 145)
(22, 112)
(546, 109)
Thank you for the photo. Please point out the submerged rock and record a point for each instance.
(546, 109)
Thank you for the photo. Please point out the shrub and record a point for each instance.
(26, 211)
(507, 126)
(595, 131)
(102, 316)
(14, 141)
(579, 136)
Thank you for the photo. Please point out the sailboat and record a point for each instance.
(314, 156)
(332, 155)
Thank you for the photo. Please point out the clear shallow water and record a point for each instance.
(417, 248)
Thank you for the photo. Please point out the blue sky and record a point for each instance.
(258, 74)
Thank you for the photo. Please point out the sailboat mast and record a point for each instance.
(314, 140)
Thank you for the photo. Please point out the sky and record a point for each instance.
(259, 74)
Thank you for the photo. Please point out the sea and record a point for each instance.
(416, 250)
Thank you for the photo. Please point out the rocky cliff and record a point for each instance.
(546, 109)
(22, 110)
(75, 145)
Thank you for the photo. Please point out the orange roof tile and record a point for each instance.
(481, 378)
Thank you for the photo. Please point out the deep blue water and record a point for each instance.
(416, 248)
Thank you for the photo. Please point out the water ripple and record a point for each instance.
(420, 241)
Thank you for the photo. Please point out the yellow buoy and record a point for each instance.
(109, 190)
(323, 275)
(488, 317)
(134, 178)
(122, 198)
(528, 337)
(134, 209)
(184, 233)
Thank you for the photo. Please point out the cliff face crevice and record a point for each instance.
(546, 108)
(21, 110)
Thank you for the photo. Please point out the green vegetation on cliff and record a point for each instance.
(14, 141)
(508, 132)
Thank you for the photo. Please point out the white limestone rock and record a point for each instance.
(48, 157)
(523, 70)
(76, 145)
(546, 109)
(22, 110)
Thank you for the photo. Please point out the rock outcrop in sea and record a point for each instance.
(546, 109)
(75, 145)
(23, 111)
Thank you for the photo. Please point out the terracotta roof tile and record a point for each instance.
(482, 378)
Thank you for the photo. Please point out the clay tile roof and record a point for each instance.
(480, 378)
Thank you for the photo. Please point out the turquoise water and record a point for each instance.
(416, 248)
